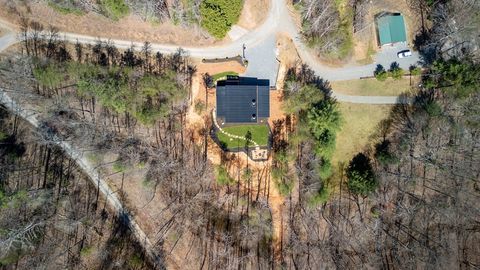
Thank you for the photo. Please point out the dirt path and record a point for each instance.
(30, 115)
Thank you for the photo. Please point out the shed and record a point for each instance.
(391, 28)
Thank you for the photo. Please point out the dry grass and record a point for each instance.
(253, 13)
(131, 27)
(360, 123)
(374, 87)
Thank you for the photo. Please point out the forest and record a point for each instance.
(409, 200)
(51, 215)
(132, 104)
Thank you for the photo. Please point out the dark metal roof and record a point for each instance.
(243, 99)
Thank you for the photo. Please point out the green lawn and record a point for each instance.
(374, 87)
(361, 123)
(223, 75)
(260, 134)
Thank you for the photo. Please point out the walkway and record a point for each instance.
(214, 117)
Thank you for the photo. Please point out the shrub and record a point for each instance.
(222, 176)
(325, 170)
(382, 76)
(218, 16)
(380, 73)
(199, 106)
(432, 108)
(49, 76)
(396, 71)
(415, 71)
(361, 179)
(65, 8)
(383, 154)
(284, 186)
(135, 261)
(321, 197)
(119, 167)
(114, 9)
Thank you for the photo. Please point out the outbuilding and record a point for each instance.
(390, 28)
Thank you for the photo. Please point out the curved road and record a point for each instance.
(260, 43)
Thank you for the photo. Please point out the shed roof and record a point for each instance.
(240, 98)
(391, 29)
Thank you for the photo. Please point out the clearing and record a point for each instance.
(260, 135)
(359, 128)
(374, 87)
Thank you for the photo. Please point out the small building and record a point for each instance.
(390, 28)
(243, 100)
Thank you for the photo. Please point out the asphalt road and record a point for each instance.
(261, 52)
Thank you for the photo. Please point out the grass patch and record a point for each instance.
(200, 106)
(374, 87)
(260, 134)
(223, 75)
(360, 123)
(86, 251)
(65, 9)
(114, 9)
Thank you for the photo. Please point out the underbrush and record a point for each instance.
(114, 9)
(66, 7)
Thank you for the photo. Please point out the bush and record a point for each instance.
(284, 187)
(361, 179)
(218, 16)
(382, 76)
(432, 108)
(396, 71)
(380, 73)
(415, 71)
(321, 197)
(222, 176)
(114, 9)
(199, 106)
(65, 8)
(325, 170)
(50, 76)
(383, 154)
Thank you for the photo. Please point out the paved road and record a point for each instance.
(260, 52)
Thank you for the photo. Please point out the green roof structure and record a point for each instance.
(391, 29)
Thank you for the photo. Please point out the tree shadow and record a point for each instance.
(122, 246)
(379, 69)
(303, 74)
(428, 52)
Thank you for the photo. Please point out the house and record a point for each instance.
(243, 100)
(390, 28)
